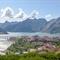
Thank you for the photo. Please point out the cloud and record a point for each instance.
(7, 12)
(21, 14)
(48, 17)
(34, 14)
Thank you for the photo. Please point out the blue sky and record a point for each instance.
(45, 7)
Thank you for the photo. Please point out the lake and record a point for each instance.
(18, 34)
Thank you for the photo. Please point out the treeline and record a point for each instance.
(31, 56)
(25, 44)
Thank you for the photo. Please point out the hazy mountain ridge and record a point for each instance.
(33, 25)
(52, 26)
(29, 25)
(2, 31)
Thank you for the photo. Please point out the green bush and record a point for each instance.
(31, 56)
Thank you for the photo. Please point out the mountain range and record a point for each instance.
(53, 26)
(28, 25)
(2, 31)
(32, 25)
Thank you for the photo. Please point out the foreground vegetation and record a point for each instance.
(33, 48)
(26, 43)
(31, 56)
